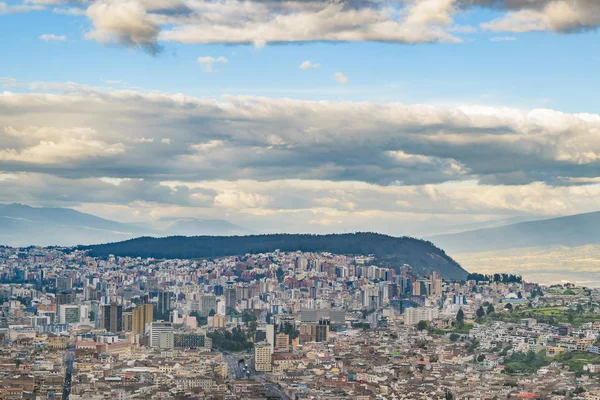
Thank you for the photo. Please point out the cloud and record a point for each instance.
(546, 15)
(309, 65)
(126, 22)
(144, 23)
(340, 78)
(47, 37)
(276, 164)
(503, 39)
(18, 8)
(207, 62)
(156, 136)
(50, 146)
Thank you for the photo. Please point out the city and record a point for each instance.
(286, 325)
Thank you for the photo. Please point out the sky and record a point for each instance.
(408, 117)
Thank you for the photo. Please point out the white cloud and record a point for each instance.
(309, 65)
(340, 78)
(549, 15)
(503, 39)
(47, 145)
(48, 37)
(89, 132)
(207, 62)
(18, 8)
(143, 23)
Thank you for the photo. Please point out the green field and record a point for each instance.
(548, 315)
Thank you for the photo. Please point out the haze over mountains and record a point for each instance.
(571, 231)
(22, 225)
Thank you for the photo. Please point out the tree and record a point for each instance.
(480, 358)
(279, 274)
(212, 313)
(509, 307)
(480, 312)
(454, 337)
(422, 325)
(520, 295)
(449, 395)
(460, 317)
(490, 309)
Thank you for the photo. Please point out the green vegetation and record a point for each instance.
(225, 340)
(527, 363)
(458, 329)
(499, 278)
(422, 325)
(549, 315)
(390, 251)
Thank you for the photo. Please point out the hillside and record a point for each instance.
(22, 225)
(572, 230)
(390, 251)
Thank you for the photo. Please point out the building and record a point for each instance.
(414, 315)
(191, 341)
(282, 341)
(318, 332)
(69, 314)
(164, 302)
(263, 357)
(64, 298)
(112, 318)
(160, 335)
(64, 284)
(208, 303)
(127, 321)
(230, 297)
(218, 321)
(140, 316)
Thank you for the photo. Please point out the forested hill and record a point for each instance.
(390, 251)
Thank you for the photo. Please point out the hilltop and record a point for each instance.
(422, 256)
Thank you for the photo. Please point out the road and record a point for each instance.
(237, 369)
(272, 389)
(69, 359)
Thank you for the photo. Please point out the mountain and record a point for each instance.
(390, 251)
(197, 227)
(22, 225)
(571, 231)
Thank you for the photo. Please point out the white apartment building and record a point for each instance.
(412, 316)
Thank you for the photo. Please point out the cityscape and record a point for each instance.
(299, 199)
(286, 325)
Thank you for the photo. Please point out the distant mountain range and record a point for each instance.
(573, 230)
(22, 225)
(394, 252)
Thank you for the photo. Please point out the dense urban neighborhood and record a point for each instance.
(286, 325)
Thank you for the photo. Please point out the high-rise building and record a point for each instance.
(322, 331)
(208, 303)
(164, 302)
(160, 335)
(140, 316)
(263, 357)
(414, 315)
(112, 318)
(282, 341)
(64, 298)
(218, 290)
(69, 314)
(127, 321)
(64, 284)
(230, 297)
